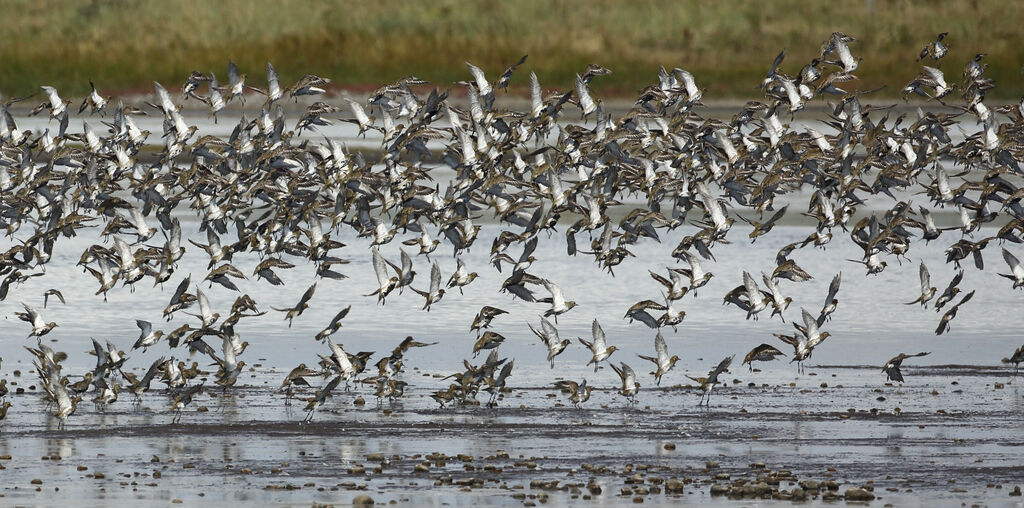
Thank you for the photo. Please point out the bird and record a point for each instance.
(662, 361)
(579, 393)
(761, 353)
(943, 326)
(320, 397)
(599, 347)
(489, 340)
(53, 292)
(297, 377)
(435, 292)
(386, 284)
(709, 382)
(39, 325)
(927, 290)
(557, 300)
(461, 277)
(483, 318)
(334, 325)
(1016, 270)
(804, 342)
(549, 336)
(1016, 358)
(147, 337)
(630, 386)
(182, 399)
(935, 49)
(94, 101)
(300, 307)
(950, 292)
(891, 369)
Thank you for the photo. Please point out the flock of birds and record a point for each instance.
(266, 192)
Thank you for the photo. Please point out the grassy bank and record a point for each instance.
(728, 44)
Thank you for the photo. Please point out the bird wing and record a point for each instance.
(406, 262)
(956, 281)
(306, 296)
(482, 85)
(233, 75)
(628, 375)
(660, 347)
(586, 101)
(273, 84)
(531, 245)
(811, 324)
(164, 98)
(435, 278)
(557, 299)
(1014, 264)
(204, 304)
(145, 326)
(753, 292)
(722, 366)
(380, 268)
(339, 356)
(549, 330)
(833, 288)
(536, 97)
(599, 337)
(926, 279)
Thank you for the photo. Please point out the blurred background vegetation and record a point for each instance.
(123, 45)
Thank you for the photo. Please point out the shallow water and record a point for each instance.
(786, 420)
(955, 433)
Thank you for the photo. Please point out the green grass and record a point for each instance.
(728, 44)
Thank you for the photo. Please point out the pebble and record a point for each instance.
(674, 486)
(362, 500)
(857, 494)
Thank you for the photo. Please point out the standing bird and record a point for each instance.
(182, 399)
(709, 382)
(892, 367)
(320, 397)
(599, 347)
(762, 353)
(578, 392)
(662, 362)
(1016, 359)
